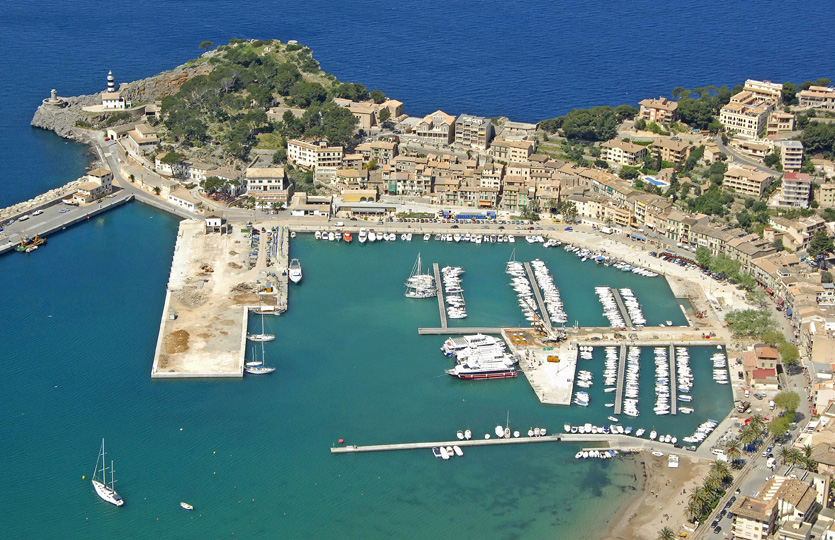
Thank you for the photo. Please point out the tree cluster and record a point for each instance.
(749, 323)
(594, 124)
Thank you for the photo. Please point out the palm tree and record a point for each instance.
(795, 456)
(757, 423)
(785, 453)
(699, 502)
(734, 449)
(748, 435)
(807, 450)
(666, 534)
(720, 471)
(694, 509)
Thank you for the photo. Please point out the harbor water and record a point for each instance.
(79, 318)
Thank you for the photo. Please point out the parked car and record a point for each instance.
(569, 229)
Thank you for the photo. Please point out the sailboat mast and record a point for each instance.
(112, 475)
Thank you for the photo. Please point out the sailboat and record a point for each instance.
(103, 489)
(262, 336)
(256, 367)
(420, 285)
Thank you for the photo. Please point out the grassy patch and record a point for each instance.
(269, 141)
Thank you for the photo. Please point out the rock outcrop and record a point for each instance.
(64, 120)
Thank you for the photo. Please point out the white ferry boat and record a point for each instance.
(294, 271)
(479, 369)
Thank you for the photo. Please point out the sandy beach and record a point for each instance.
(661, 502)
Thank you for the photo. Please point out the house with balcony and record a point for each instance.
(660, 111)
(617, 152)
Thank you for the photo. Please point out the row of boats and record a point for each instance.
(601, 258)
(633, 307)
(630, 392)
(479, 357)
(704, 429)
(550, 292)
(347, 236)
(610, 306)
(662, 381)
(420, 285)
(522, 287)
(720, 368)
(603, 430)
(447, 452)
(456, 306)
(596, 454)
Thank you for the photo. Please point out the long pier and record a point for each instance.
(673, 381)
(619, 387)
(458, 330)
(626, 443)
(543, 311)
(623, 311)
(52, 221)
(282, 262)
(424, 445)
(439, 285)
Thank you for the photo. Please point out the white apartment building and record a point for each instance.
(314, 154)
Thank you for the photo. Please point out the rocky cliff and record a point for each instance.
(64, 120)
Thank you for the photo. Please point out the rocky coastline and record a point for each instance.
(63, 119)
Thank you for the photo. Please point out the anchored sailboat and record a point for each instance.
(420, 285)
(256, 367)
(262, 336)
(103, 489)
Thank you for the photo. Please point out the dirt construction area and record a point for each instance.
(211, 286)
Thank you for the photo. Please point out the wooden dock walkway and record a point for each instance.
(440, 286)
(461, 330)
(619, 387)
(673, 381)
(543, 311)
(623, 311)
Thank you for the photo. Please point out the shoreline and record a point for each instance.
(652, 508)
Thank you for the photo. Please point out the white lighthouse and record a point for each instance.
(111, 98)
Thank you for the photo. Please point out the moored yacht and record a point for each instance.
(363, 236)
(294, 271)
(347, 236)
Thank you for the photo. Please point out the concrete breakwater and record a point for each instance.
(41, 200)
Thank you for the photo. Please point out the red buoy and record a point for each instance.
(341, 441)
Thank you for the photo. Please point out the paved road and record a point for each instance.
(743, 159)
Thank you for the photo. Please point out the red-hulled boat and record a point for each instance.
(347, 236)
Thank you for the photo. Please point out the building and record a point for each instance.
(473, 132)
(268, 185)
(745, 119)
(796, 190)
(436, 128)
(623, 153)
(382, 151)
(746, 180)
(792, 155)
(660, 111)
(314, 154)
(670, 150)
(111, 98)
(99, 182)
(518, 131)
(765, 91)
(779, 122)
(818, 97)
(753, 519)
(182, 198)
(141, 140)
(827, 195)
(512, 151)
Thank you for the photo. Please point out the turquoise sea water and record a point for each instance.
(79, 318)
(253, 455)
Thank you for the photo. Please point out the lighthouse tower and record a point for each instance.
(112, 98)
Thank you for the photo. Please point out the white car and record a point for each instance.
(37, 212)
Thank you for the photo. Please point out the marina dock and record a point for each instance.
(619, 387)
(623, 443)
(51, 221)
(460, 330)
(673, 383)
(440, 286)
(543, 312)
(549, 368)
(623, 311)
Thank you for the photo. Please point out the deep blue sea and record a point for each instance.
(79, 319)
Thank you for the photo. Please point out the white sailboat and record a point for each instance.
(262, 336)
(103, 489)
(258, 368)
(420, 285)
(294, 271)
